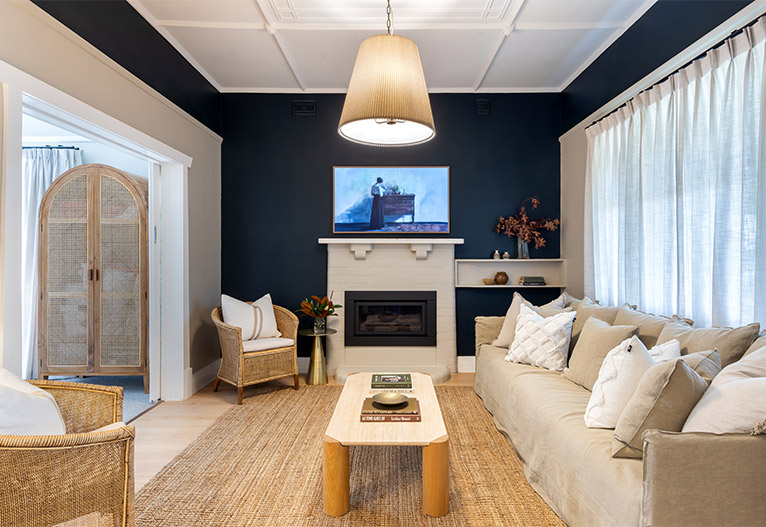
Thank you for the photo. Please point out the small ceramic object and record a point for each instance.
(501, 278)
(488, 281)
(389, 398)
(506, 255)
(496, 256)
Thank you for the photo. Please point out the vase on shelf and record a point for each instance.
(320, 325)
(522, 248)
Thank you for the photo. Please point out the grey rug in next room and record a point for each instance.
(135, 401)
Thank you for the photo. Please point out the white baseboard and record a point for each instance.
(466, 363)
(205, 376)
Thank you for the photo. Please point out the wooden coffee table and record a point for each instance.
(345, 429)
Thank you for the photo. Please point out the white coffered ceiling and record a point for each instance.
(465, 45)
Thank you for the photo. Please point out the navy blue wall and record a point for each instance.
(665, 30)
(277, 187)
(118, 31)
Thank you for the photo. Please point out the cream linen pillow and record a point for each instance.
(731, 342)
(736, 399)
(649, 326)
(706, 363)
(670, 350)
(541, 341)
(663, 400)
(587, 310)
(759, 343)
(26, 409)
(508, 331)
(618, 377)
(256, 320)
(596, 340)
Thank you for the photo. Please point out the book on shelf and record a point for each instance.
(373, 412)
(532, 280)
(400, 381)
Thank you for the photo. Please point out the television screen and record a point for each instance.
(391, 199)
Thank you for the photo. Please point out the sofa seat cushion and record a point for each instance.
(568, 464)
(266, 344)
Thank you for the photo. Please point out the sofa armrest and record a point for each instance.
(487, 330)
(698, 479)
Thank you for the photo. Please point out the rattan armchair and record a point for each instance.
(240, 368)
(84, 475)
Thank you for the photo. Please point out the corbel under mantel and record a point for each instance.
(420, 246)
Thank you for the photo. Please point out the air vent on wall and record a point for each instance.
(304, 108)
(482, 106)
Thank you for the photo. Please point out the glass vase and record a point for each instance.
(522, 248)
(320, 325)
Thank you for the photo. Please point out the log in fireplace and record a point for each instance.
(390, 318)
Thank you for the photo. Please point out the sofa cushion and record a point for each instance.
(731, 342)
(486, 330)
(256, 320)
(670, 350)
(26, 409)
(587, 310)
(759, 343)
(736, 399)
(666, 395)
(706, 363)
(596, 340)
(618, 377)
(508, 331)
(649, 326)
(568, 464)
(541, 341)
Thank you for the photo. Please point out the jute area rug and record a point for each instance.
(260, 464)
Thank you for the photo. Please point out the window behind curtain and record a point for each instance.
(676, 191)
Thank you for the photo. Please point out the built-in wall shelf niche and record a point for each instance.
(471, 272)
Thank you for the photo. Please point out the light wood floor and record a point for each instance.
(165, 430)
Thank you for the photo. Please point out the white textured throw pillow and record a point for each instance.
(26, 409)
(618, 377)
(669, 350)
(736, 399)
(541, 341)
(508, 331)
(256, 320)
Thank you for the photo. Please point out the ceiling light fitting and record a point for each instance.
(387, 101)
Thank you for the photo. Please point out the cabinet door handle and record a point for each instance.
(90, 274)
(97, 275)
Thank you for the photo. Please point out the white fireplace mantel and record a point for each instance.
(361, 246)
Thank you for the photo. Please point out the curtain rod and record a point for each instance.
(59, 147)
(666, 77)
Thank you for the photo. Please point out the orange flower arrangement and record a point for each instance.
(317, 307)
(527, 230)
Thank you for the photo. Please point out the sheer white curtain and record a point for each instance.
(676, 191)
(40, 167)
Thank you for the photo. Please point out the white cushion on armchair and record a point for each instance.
(26, 409)
(266, 344)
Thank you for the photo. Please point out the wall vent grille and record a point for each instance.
(482, 106)
(304, 108)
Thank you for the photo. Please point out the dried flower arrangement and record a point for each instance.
(527, 230)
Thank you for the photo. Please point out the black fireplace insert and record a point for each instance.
(390, 318)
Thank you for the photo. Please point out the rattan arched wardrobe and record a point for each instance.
(93, 272)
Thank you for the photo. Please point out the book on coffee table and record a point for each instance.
(392, 381)
(406, 412)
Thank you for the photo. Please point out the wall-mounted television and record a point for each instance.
(379, 200)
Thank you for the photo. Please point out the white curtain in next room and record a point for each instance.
(676, 191)
(40, 167)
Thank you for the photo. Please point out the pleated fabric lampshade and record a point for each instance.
(387, 100)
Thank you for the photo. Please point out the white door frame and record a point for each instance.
(24, 93)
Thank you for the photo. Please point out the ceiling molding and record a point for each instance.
(309, 91)
(608, 42)
(144, 12)
(512, 11)
(210, 25)
(569, 26)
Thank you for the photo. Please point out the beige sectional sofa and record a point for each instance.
(687, 479)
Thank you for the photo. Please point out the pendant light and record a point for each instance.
(387, 100)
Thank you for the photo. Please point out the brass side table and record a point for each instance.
(317, 373)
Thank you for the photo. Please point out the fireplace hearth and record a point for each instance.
(390, 318)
